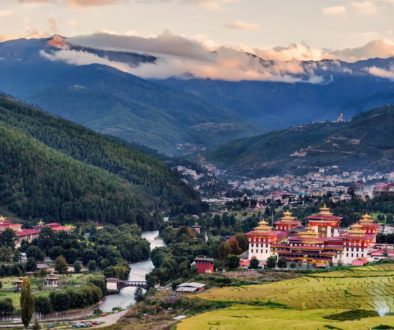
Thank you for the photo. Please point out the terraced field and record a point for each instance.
(370, 288)
(257, 318)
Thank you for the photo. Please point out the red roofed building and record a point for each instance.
(356, 243)
(204, 265)
(381, 254)
(287, 222)
(324, 223)
(260, 240)
(14, 226)
(368, 225)
(26, 235)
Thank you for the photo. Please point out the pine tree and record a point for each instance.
(27, 302)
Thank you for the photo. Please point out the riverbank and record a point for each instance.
(125, 298)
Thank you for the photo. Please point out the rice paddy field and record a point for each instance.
(310, 299)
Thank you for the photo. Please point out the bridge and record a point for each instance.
(115, 284)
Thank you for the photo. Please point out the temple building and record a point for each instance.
(321, 242)
(260, 240)
(356, 243)
(287, 222)
(324, 223)
(196, 228)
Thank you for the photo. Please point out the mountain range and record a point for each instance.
(365, 142)
(114, 102)
(181, 114)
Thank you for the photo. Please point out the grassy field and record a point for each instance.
(310, 297)
(70, 279)
(260, 318)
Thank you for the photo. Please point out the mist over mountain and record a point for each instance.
(114, 102)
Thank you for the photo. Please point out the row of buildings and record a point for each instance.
(27, 234)
(321, 241)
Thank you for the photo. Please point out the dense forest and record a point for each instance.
(56, 170)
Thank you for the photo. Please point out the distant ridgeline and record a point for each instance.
(365, 142)
(54, 169)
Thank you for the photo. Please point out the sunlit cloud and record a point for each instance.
(4, 13)
(241, 25)
(92, 3)
(334, 11)
(365, 7)
(52, 22)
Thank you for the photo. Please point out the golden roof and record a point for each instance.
(325, 210)
(262, 227)
(1, 217)
(309, 233)
(366, 218)
(356, 229)
(287, 217)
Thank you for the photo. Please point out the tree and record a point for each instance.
(27, 302)
(61, 265)
(34, 252)
(31, 265)
(43, 305)
(224, 249)
(243, 241)
(234, 246)
(271, 262)
(6, 307)
(339, 263)
(293, 265)
(138, 294)
(254, 263)
(233, 262)
(8, 238)
(36, 325)
(331, 264)
(282, 263)
(77, 266)
(5, 254)
(17, 256)
(92, 265)
(42, 272)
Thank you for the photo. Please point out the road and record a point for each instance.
(109, 320)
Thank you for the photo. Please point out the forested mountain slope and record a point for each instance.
(114, 102)
(54, 169)
(364, 142)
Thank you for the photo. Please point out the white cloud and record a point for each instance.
(336, 10)
(378, 48)
(92, 3)
(379, 72)
(210, 4)
(53, 23)
(241, 25)
(6, 37)
(365, 7)
(73, 23)
(4, 13)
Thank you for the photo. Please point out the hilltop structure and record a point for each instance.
(320, 242)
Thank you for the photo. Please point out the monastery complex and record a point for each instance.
(320, 242)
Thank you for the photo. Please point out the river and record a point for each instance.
(138, 271)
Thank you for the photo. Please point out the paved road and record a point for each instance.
(109, 320)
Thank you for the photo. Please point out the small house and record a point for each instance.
(190, 288)
(204, 265)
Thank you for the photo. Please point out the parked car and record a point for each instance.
(81, 325)
(103, 314)
(76, 326)
(58, 290)
(96, 322)
(51, 326)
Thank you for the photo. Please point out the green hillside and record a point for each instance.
(54, 169)
(364, 142)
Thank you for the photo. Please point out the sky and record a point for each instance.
(332, 24)
(211, 38)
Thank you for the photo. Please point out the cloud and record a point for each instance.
(4, 13)
(241, 25)
(336, 10)
(31, 33)
(53, 25)
(379, 72)
(91, 3)
(73, 23)
(210, 4)
(6, 37)
(378, 48)
(163, 44)
(365, 7)
(184, 58)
